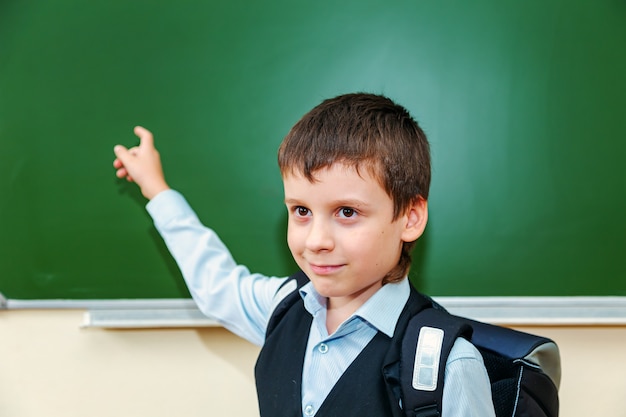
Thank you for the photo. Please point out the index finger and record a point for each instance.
(145, 137)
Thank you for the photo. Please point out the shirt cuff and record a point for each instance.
(167, 206)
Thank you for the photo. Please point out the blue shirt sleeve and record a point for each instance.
(466, 388)
(223, 290)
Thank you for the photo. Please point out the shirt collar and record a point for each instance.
(382, 310)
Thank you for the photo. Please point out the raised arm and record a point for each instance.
(141, 164)
(228, 292)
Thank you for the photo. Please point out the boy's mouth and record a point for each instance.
(319, 269)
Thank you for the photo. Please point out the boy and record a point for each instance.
(356, 175)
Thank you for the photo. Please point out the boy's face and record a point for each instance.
(342, 234)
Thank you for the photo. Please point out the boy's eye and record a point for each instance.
(301, 211)
(347, 212)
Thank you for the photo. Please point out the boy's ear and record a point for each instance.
(416, 219)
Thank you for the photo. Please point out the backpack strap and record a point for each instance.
(426, 345)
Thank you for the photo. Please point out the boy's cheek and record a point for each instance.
(292, 241)
(296, 246)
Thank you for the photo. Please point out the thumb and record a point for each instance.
(121, 153)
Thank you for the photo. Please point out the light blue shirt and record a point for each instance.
(328, 356)
(243, 302)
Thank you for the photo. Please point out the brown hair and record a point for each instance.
(364, 130)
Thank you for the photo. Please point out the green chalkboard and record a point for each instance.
(524, 104)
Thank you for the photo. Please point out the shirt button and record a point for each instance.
(309, 410)
(323, 348)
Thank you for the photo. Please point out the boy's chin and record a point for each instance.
(329, 287)
(325, 286)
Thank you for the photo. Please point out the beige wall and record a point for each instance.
(50, 367)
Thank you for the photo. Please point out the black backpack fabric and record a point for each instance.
(524, 369)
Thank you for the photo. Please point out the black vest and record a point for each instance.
(368, 388)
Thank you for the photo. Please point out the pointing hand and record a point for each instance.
(141, 164)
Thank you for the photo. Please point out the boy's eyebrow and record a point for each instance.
(348, 202)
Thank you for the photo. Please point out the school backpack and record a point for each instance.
(524, 369)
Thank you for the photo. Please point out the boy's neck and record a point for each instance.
(339, 309)
(334, 318)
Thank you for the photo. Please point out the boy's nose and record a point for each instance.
(319, 236)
